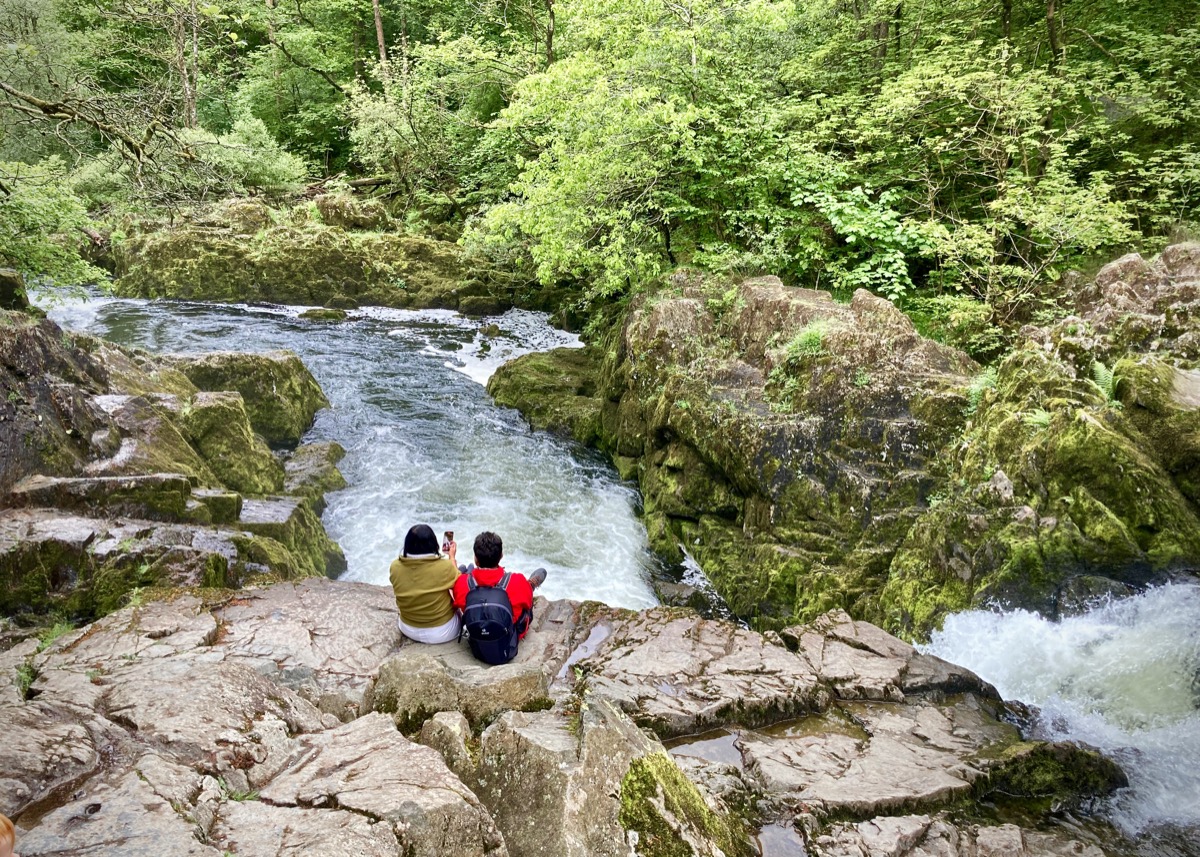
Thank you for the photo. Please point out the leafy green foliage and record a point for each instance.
(930, 149)
(42, 225)
(809, 341)
(1038, 418)
(54, 632)
(978, 388)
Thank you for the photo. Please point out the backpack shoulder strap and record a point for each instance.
(503, 584)
(472, 584)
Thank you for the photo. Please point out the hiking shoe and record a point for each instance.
(537, 578)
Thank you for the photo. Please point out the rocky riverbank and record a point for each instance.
(813, 455)
(121, 472)
(232, 699)
(292, 717)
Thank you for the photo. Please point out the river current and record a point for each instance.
(1124, 678)
(425, 443)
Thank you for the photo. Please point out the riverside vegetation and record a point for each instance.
(827, 260)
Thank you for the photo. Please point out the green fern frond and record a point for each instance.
(1039, 418)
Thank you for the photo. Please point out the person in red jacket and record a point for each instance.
(489, 550)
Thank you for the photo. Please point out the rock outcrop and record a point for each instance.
(812, 455)
(265, 721)
(339, 254)
(117, 473)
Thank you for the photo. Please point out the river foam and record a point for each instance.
(1124, 677)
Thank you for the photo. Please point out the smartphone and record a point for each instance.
(447, 538)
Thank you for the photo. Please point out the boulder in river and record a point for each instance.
(812, 455)
(280, 394)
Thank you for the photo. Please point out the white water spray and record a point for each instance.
(1124, 678)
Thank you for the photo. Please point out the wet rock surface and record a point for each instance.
(263, 721)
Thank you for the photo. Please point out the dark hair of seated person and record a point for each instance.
(420, 540)
(488, 550)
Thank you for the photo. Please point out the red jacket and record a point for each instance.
(520, 593)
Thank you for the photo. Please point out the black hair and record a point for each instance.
(420, 540)
(488, 550)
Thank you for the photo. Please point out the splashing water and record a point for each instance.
(424, 441)
(1124, 678)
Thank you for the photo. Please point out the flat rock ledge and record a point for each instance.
(294, 717)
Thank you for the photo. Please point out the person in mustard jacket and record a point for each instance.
(422, 580)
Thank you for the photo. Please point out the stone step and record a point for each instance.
(153, 497)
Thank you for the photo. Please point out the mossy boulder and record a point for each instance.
(218, 428)
(662, 806)
(1052, 479)
(348, 212)
(783, 439)
(280, 394)
(311, 472)
(292, 523)
(47, 418)
(554, 390)
(13, 295)
(307, 263)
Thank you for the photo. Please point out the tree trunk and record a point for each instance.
(379, 31)
(549, 33)
(1052, 32)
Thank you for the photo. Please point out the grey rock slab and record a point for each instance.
(201, 710)
(862, 661)
(448, 732)
(923, 836)
(421, 680)
(255, 829)
(553, 784)
(45, 746)
(326, 639)
(367, 767)
(154, 496)
(117, 817)
(907, 756)
(679, 674)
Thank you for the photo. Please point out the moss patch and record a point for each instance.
(666, 810)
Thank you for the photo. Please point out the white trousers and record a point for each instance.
(446, 633)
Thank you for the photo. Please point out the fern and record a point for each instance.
(1039, 418)
(1106, 380)
(980, 384)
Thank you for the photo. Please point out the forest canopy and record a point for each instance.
(954, 155)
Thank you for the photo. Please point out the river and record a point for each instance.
(424, 441)
(1124, 678)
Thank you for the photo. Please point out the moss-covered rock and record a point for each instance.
(218, 428)
(1058, 772)
(553, 390)
(1051, 479)
(348, 212)
(324, 314)
(292, 523)
(280, 394)
(666, 811)
(311, 472)
(782, 438)
(308, 263)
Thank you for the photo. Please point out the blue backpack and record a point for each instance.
(488, 621)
